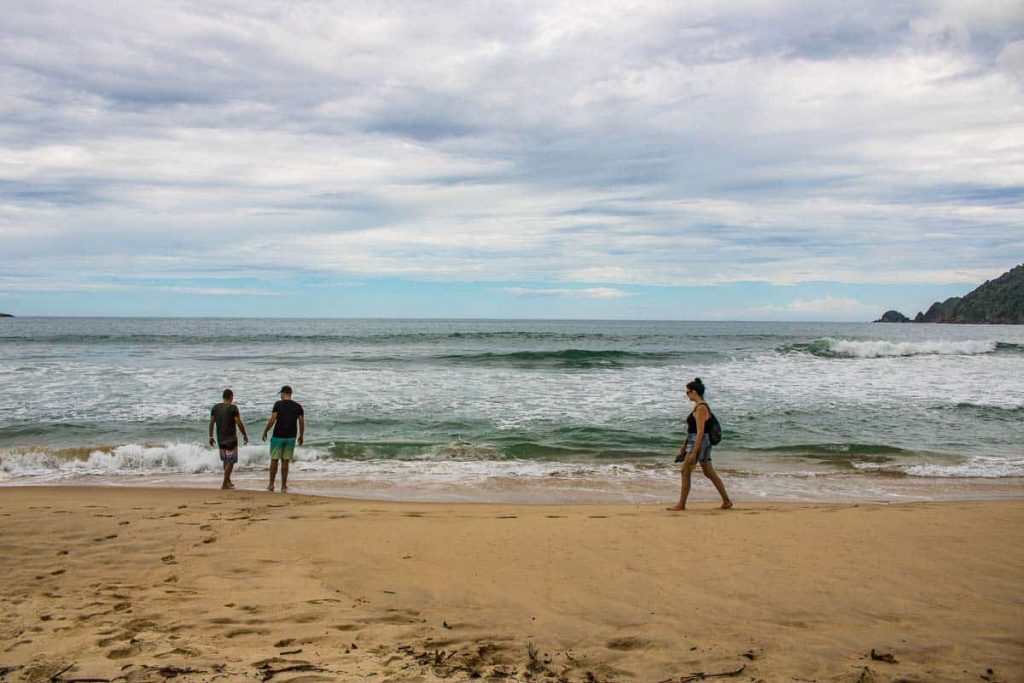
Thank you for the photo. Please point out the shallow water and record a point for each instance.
(533, 411)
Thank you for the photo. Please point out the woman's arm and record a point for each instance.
(700, 414)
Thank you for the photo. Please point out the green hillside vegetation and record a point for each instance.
(997, 301)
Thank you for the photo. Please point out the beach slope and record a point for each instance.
(147, 585)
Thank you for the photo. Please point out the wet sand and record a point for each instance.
(150, 584)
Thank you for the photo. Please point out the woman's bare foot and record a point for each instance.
(726, 505)
(283, 489)
(677, 508)
(270, 488)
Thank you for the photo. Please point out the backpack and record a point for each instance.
(712, 427)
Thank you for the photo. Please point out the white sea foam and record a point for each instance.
(979, 466)
(168, 458)
(887, 349)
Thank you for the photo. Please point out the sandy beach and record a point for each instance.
(148, 584)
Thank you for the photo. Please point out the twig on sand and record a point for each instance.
(57, 676)
(269, 672)
(701, 675)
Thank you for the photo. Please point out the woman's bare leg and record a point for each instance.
(710, 473)
(684, 488)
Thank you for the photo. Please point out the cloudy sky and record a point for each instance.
(643, 159)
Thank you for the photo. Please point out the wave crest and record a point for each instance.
(130, 458)
(846, 348)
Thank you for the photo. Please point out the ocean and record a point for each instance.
(522, 411)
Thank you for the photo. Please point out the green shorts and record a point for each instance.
(282, 449)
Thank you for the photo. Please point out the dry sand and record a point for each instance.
(145, 585)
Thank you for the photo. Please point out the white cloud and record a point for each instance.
(13, 285)
(591, 293)
(655, 143)
(824, 308)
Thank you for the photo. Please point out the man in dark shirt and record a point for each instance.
(289, 423)
(226, 417)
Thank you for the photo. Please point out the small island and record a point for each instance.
(997, 302)
(892, 316)
(6, 315)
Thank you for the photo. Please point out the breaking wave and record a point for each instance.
(844, 348)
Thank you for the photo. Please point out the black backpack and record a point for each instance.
(712, 427)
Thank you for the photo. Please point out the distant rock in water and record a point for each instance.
(999, 301)
(893, 317)
(6, 315)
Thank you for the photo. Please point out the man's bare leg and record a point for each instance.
(284, 475)
(273, 474)
(228, 466)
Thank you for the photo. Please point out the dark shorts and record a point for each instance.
(229, 453)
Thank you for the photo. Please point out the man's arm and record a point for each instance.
(241, 425)
(302, 427)
(270, 423)
(211, 429)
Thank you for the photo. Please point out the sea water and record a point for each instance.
(522, 411)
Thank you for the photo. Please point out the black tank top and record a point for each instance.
(691, 421)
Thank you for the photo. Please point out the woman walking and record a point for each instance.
(697, 448)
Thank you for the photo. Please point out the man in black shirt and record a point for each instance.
(289, 423)
(226, 417)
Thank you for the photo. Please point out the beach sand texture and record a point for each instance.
(150, 585)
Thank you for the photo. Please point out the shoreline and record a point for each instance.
(123, 583)
(654, 487)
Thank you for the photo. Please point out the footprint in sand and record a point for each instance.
(104, 642)
(626, 644)
(246, 632)
(168, 559)
(124, 652)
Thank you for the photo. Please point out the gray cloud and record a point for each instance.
(657, 143)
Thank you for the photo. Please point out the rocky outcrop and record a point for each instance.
(6, 315)
(999, 301)
(893, 317)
